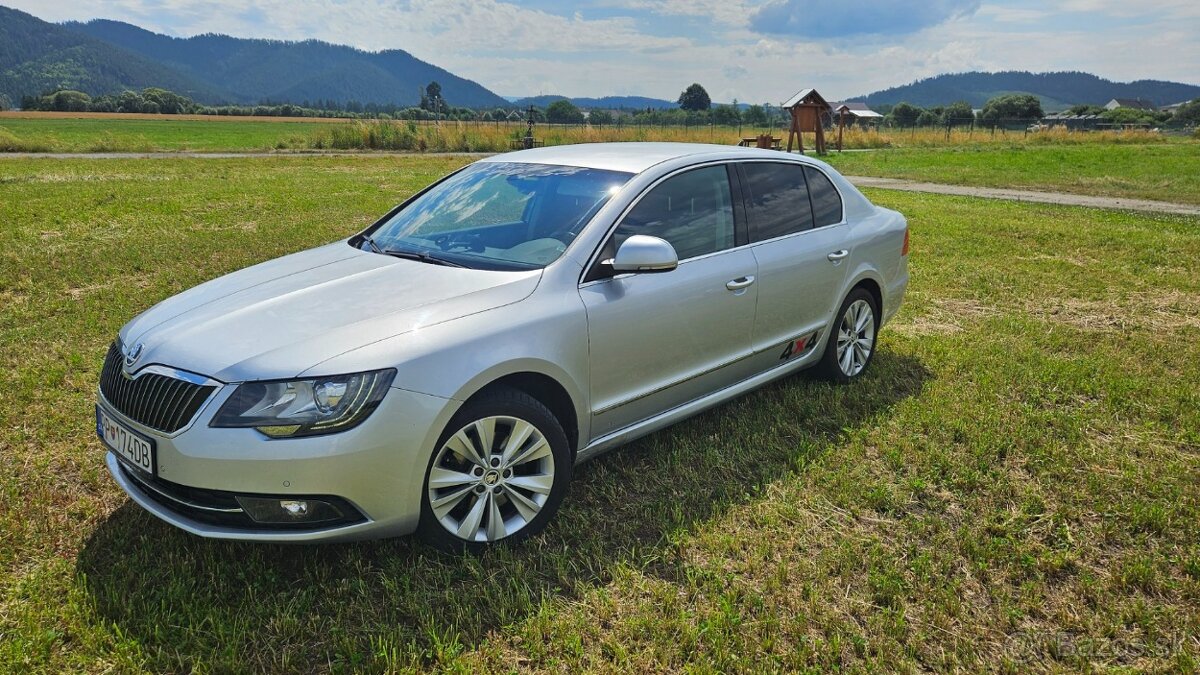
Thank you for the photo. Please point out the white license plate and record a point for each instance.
(129, 445)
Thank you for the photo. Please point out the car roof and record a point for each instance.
(632, 157)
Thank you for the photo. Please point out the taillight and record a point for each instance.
(904, 249)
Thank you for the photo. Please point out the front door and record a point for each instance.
(659, 340)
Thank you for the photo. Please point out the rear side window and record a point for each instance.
(693, 211)
(826, 202)
(779, 199)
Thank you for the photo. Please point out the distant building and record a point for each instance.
(1070, 121)
(1135, 103)
(855, 111)
(1173, 107)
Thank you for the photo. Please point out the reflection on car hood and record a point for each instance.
(285, 316)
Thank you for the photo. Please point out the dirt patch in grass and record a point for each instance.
(941, 316)
(1146, 310)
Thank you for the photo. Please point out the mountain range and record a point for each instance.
(1057, 91)
(605, 102)
(102, 57)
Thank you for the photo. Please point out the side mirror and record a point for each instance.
(643, 253)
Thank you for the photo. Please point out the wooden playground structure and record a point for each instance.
(807, 108)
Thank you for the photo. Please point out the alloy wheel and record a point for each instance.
(855, 338)
(491, 478)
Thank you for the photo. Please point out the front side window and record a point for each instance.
(779, 199)
(693, 211)
(500, 215)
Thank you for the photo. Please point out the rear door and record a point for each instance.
(659, 340)
(799, 239)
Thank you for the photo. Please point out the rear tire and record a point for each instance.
(852, 339)
(497, 475)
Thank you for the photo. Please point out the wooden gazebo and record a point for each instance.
(807, 108)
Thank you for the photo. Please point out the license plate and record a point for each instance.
(135, 449)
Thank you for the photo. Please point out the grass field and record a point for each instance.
(1138, 165)
(103, 132)
(92, 134)
(1013, 486)
(1165, 171)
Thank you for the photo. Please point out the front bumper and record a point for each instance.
(377, 467)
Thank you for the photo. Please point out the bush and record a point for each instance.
(67, 100)
(928, 118)
(1022, 107)
(905, 114)
(958, 113)
(564, 112)
(600, 118)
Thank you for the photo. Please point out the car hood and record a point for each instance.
(285, 316)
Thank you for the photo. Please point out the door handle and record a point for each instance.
(836, 256)
(739, 283)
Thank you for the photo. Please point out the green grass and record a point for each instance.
(1013, 486)
(1166, 171)
(139, 135)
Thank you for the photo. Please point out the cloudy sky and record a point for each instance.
(752, 50)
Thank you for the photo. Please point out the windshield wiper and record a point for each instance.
(372, 244)
(421, 256)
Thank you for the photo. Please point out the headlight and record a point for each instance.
(308, 407)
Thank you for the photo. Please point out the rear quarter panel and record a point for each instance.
(876, 245)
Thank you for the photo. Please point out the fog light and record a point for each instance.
(289, 511)
(280, 430)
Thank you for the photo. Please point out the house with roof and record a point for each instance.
(1135, 103)
(1073, 122)
(855, 112)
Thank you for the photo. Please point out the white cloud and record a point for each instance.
(658, 47)
(838, 18)
(725, 12)
(467, 25)
(1163, 9)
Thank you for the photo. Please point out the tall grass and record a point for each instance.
(107, 141)
(484, 137)
(10, 142)
(492, 137)
(121, 135)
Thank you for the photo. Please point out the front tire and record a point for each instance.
(497, 475)
(851, 344)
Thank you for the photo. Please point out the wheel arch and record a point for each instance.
(871, 281)
(873, 287)
(544, 382)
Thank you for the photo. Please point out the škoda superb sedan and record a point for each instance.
(442, 371)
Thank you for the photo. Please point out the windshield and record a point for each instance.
(499, 215)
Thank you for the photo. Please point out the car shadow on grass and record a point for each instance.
(194, 603)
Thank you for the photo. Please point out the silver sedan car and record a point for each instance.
(442, 371)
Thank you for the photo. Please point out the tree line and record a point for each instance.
(1027, 108)
(695, 109)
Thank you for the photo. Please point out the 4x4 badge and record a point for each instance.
(797, 346)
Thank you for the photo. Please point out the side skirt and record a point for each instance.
(666, 418)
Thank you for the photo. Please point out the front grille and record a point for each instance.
(154, 400)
